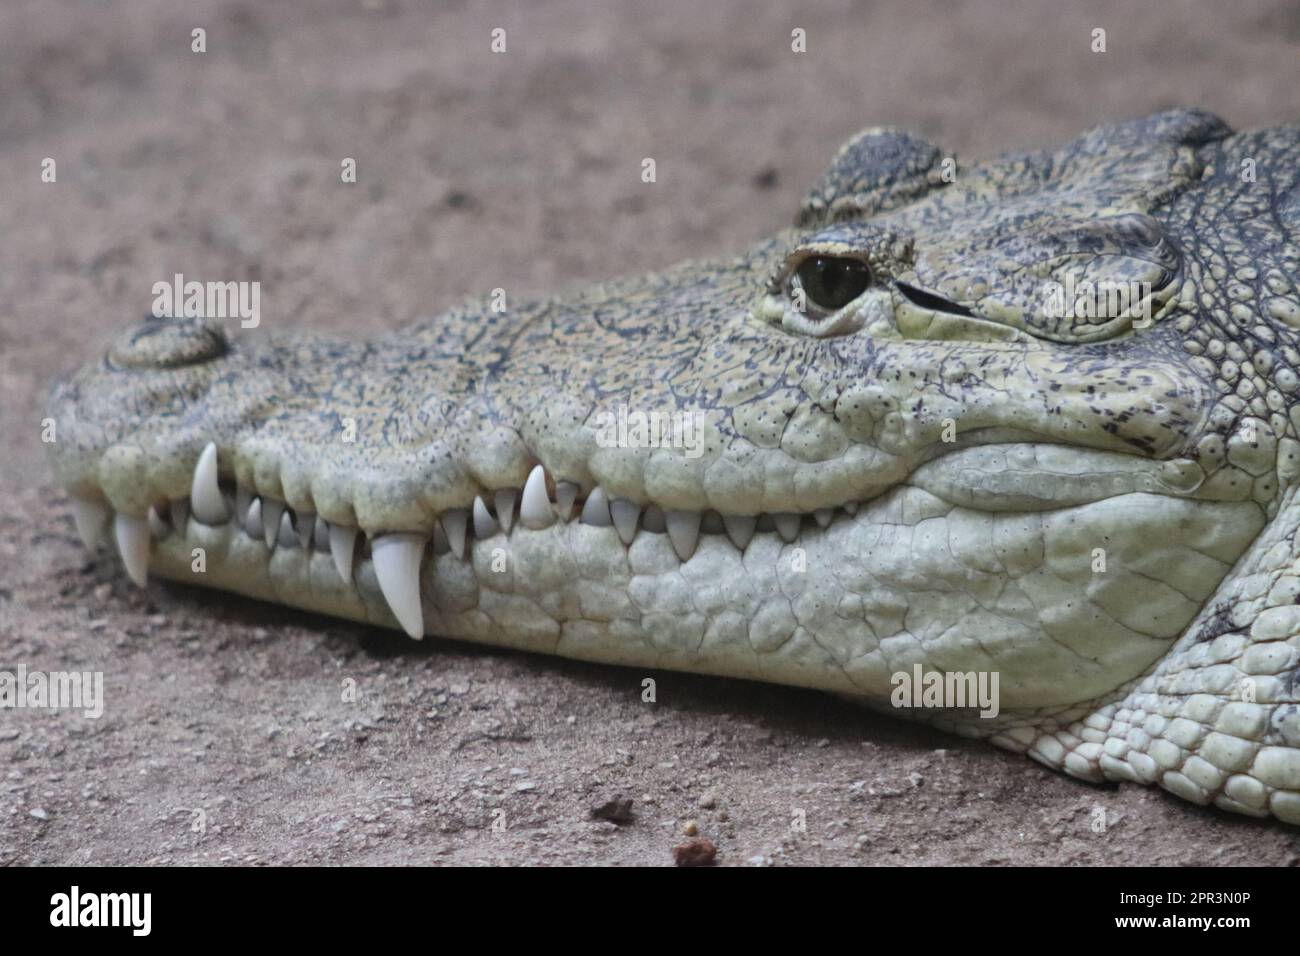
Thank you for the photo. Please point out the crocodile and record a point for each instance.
(1035, 417)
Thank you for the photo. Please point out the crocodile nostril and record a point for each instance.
(167, 343)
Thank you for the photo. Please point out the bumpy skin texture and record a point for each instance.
(1097, 504)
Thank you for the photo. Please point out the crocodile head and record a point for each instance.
(1020, 417)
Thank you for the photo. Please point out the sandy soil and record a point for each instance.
(479, 170)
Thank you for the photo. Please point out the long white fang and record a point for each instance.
(454, 523)
(253, 520)
(505, 502)
(91, 518)
(595, 511)
(740, 528)
(396, 558)
(823, 516)
(566, 493)
(343, 542)
(535, 509)
(624, 514)
(271, 513)
(205, 494)
(179, 511)
(683, 532)
(485, 526)
(132, 536)
(787, 526)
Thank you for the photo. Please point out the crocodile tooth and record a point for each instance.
(823, 516)
(271, 512)
(253, 520)
(320, 534)
(454, 523)
(740, 528)
(653, 520)
(91, 518)
(485, 526)
(286, 537)
(566, 493)
(157, 526)
(343, 542)
(624, 514)
(851, 507)
(396, 558)
(787, 526)
(535, 509)
(179, 512)
(683, 532)
(595, 511)
(505, 502)
(205, 494)
(132, 536)
(304, 523)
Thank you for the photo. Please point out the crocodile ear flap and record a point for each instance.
(878, 169)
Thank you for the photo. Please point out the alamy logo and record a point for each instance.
(626, 428)
(57, 690)
(208, 300)
(946, 689)
(1072, 299)
(103, 909)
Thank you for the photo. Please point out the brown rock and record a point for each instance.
(699, 851)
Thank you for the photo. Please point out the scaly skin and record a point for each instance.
(1100, 509)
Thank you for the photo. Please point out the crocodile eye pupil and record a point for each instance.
(833, 282)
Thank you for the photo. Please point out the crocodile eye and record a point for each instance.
(832, 282)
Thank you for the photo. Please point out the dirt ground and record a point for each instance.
(478, 170)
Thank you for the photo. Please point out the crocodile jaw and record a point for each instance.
(1018, 559)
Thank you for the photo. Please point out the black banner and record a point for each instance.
(215, 905)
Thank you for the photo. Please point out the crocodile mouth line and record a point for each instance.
(543, 502)
(986, 477)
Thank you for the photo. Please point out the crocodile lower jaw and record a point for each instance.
(953, 565)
